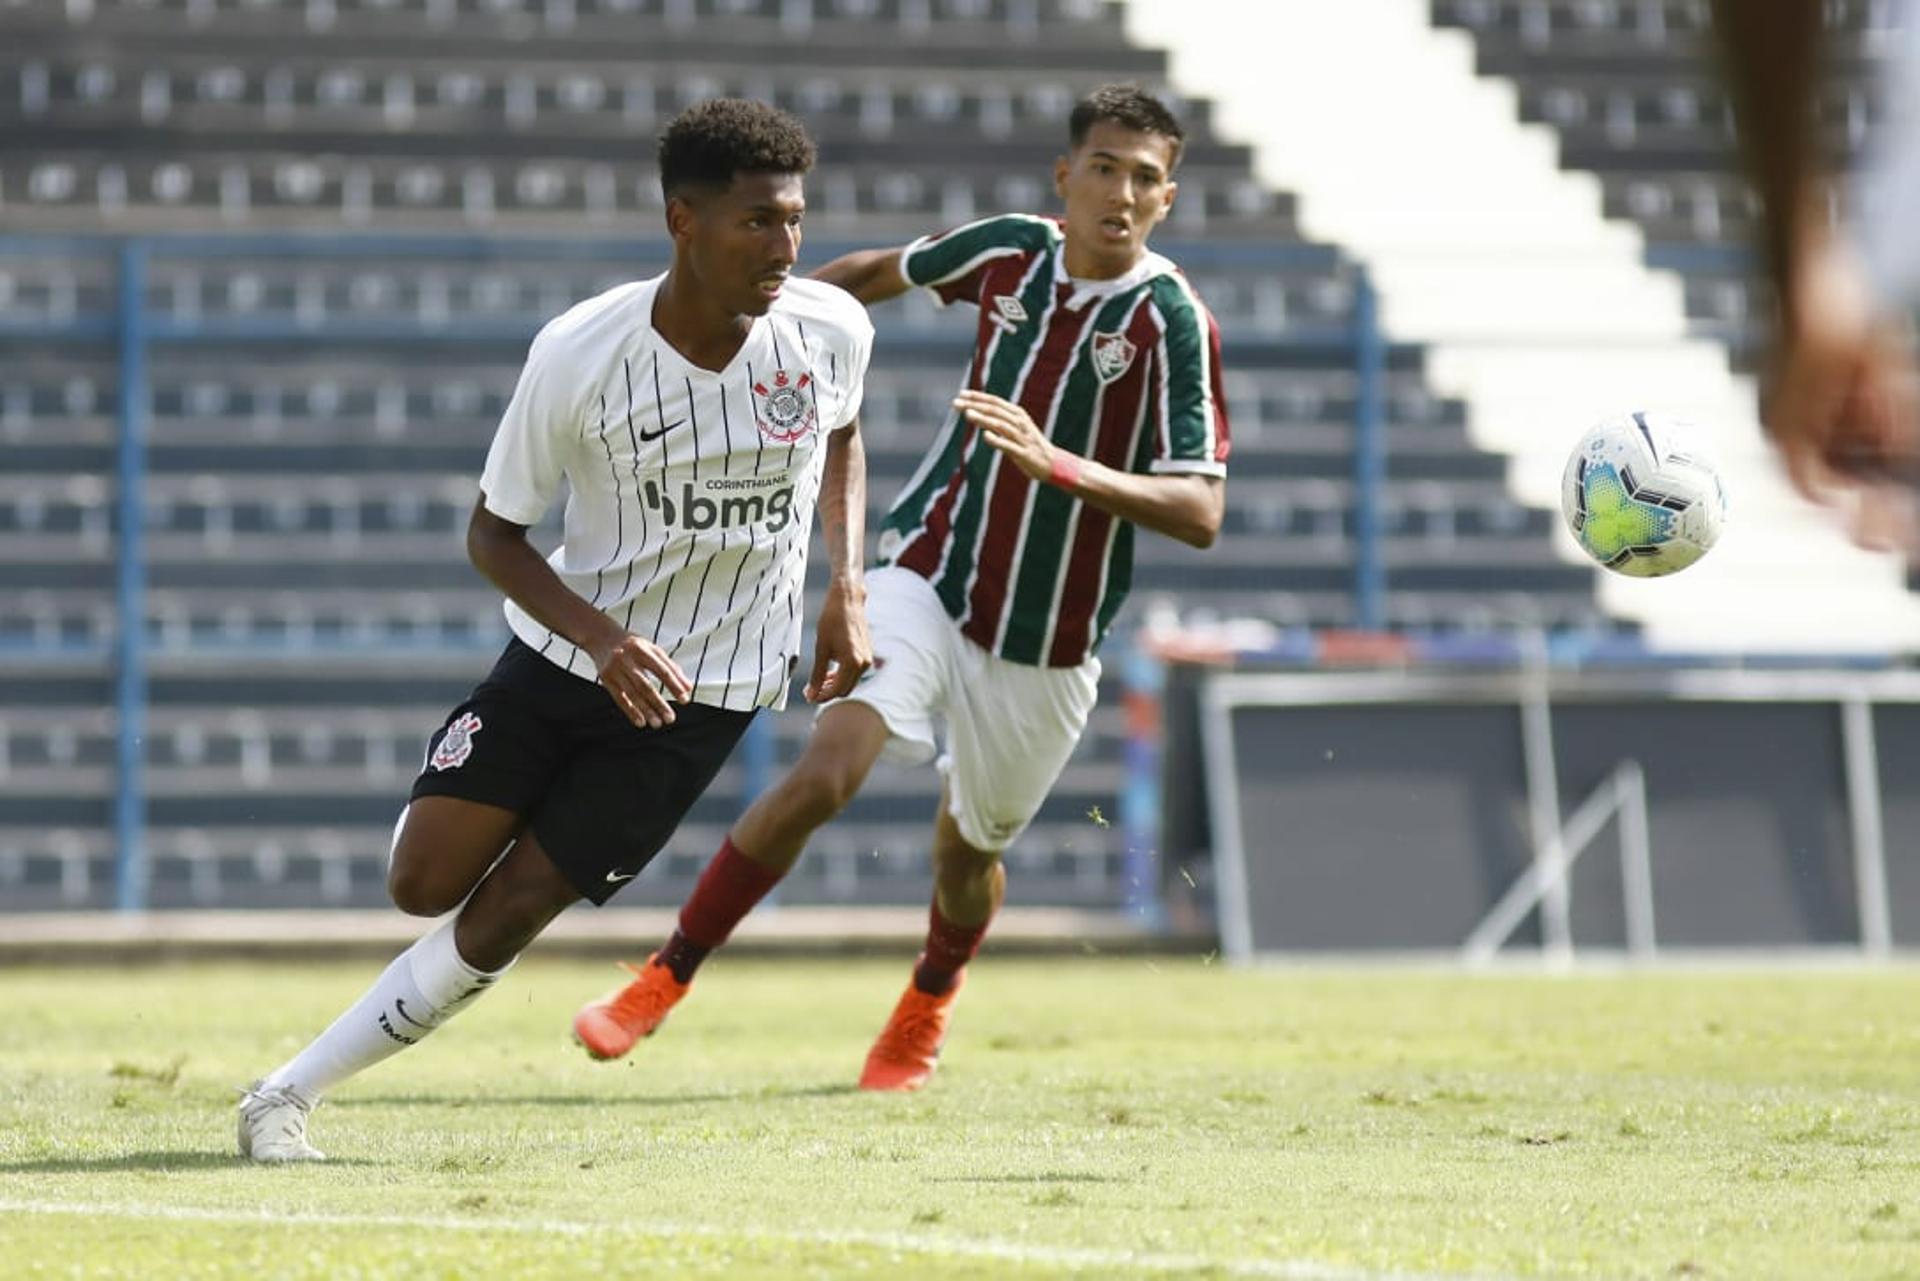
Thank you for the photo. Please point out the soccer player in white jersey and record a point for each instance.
(695, 418)
(1842, 406)
(1092, 404)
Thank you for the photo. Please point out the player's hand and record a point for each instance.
(1844, 409)
(1009, 429)
(842, 649)
(639, 677)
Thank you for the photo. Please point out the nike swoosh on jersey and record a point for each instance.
(656, 435)
(614, 878)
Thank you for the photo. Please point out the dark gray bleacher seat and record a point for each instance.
(185, 191)
(375, 116)
(850, 32)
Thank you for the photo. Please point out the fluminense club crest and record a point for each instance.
(456, 744)
(1112, 355)
(783, 406)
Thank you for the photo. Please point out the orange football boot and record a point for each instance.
(909, 1047)
(609, 1026)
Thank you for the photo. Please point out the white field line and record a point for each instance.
(928, 1244)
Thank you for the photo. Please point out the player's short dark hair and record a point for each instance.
(710, 142)
(1129, 106)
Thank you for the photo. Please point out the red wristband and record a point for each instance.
(1065, 471)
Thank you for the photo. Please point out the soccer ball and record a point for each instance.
(1640, 498)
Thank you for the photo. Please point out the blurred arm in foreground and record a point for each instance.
(1841, 403)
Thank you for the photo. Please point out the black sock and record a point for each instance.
(934, 980)
(682, 956)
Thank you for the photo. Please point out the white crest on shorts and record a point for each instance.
(457, 744)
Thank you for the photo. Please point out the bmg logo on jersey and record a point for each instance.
(728, 503)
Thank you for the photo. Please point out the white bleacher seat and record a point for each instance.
(76, 864)
(1427, 510)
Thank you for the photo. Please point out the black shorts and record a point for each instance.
(602, 794)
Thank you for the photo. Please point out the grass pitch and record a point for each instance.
(1096, 1118)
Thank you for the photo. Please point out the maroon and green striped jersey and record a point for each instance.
(1123, 371)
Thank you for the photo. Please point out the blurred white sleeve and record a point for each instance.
(1890, 182)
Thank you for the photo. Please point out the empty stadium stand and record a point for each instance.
(352, 216)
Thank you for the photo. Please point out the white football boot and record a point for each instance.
(273, 1125)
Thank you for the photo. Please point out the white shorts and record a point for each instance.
(1010, 727)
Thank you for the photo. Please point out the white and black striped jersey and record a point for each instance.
(690, 491)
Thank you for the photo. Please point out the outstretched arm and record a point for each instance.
(1842, 406)
(871, 275)
(842, 650)
(1189, 508)
(499, 549)
(1773, 55)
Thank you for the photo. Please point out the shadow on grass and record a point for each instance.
(591, 1100)
(153, 1162)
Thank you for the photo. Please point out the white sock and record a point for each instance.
(424, 987)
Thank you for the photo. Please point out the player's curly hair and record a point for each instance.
(1129, 106)
(707, 144)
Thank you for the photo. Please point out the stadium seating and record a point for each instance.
(317, 418)
(1628, 87)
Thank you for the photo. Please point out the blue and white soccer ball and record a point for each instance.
(1641, 498)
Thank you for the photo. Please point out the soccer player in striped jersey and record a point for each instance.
(695, 419)
(1091, 405)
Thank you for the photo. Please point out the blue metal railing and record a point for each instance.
(130, 697)
(1145, 680)
(1369, 458)
(128, 323)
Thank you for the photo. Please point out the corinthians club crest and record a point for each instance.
(784, 410)
(1112, 355)
(456, 744)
